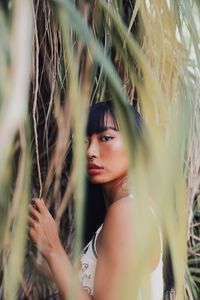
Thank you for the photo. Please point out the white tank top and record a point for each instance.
(88, 266)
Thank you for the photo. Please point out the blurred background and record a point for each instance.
(57, 58)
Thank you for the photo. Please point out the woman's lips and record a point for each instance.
(94, 169)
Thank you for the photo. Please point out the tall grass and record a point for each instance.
(141, 52)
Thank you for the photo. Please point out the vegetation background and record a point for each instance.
(57, 57)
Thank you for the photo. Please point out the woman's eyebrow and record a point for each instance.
(109, 127)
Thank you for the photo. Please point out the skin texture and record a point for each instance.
(115, 243)
(106, 149)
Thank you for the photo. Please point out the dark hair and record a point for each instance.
(95, 209)
(97, 119)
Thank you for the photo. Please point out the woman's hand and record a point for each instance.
(43, 230)
(44, 233)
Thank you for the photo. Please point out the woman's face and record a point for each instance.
(107, 159)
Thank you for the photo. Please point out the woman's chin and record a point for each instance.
(96, 179)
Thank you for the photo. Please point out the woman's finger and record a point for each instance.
(34, 212)
(39, 204)
(31, 221)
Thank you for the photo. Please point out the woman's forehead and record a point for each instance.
(109, 121)
(100, 121)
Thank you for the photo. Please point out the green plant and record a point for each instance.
(142, 52)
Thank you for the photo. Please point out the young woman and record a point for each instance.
(106, 260)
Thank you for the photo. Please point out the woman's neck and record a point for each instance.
(116, 190)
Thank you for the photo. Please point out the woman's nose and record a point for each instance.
(92, 150)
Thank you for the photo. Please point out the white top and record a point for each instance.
(88, 266)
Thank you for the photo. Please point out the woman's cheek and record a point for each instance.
(115, 148)
(117, 158)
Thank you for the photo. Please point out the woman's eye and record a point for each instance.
(106, 138)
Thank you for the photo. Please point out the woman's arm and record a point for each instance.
(116, 252)
(62, 274)
(43, 232)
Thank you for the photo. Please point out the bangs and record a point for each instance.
(97, 119)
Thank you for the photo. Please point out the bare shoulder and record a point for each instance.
(117, 232)
(118, 239)
(115, 248)
(118, 250)
(120, 213)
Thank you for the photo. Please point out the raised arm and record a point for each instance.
(44, 233)
(116, 252)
